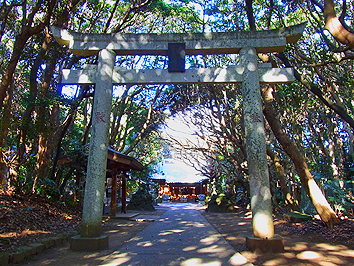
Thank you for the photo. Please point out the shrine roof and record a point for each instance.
(121, 161)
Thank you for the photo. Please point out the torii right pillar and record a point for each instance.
(263, 238)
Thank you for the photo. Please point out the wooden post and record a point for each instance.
(124, 193)
(114, 193)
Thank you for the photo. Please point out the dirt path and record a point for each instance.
(305, 244)
(312, 248)
(119, 231)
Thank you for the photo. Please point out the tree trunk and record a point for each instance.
(28, 113)
(45, 128)
(4, 129)
(250, 16)
(64, 127)
(146, 124)
(293, 204)
(7, 79)
(335, 26)
(321, 204)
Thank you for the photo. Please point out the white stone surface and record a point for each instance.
(256, 146)
(231, 74)
(97, 160)
(196, 43)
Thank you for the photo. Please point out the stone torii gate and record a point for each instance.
(249, 72)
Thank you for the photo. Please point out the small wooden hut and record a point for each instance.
(118, 165)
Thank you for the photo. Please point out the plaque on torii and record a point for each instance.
(249, 72)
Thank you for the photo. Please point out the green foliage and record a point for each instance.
(48, 188)
(23, 182)
(221, 203)
(132, 183)
(141, 200)
(341, 199)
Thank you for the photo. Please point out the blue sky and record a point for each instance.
(177, 171)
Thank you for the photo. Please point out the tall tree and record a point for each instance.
(325, 211)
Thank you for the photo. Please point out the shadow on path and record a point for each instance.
(308, 249)
(181, 236)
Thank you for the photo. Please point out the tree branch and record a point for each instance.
(335, 27)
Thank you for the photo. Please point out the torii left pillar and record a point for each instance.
(91, 238)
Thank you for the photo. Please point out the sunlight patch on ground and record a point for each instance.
(337, 260)
(300, 246)
(348, 253)
(92, 255)
(125, 225)
(170, 232)
(327, 246)
(112, 231)
(210, 240)
(308, 255)
(48, 262)
(190, 248)
(117, 259)
(248, 215)
(289, 255)
(23, 233)
(145, 244)
(194, 224)
(199, 225)
(196, 262)
(275, 262)
(212, 249)
(237, 259)
(327, 263)
(136, 238)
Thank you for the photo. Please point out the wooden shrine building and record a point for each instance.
(181, 191)
(118, 165)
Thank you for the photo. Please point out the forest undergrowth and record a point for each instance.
(25, 219)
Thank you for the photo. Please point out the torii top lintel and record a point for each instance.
(196, 43)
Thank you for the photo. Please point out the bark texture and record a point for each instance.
(335, 26)
(316, 196)
(293, 204)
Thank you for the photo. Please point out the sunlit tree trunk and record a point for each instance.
(332, 148)
(335, 26)
(321, 204)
